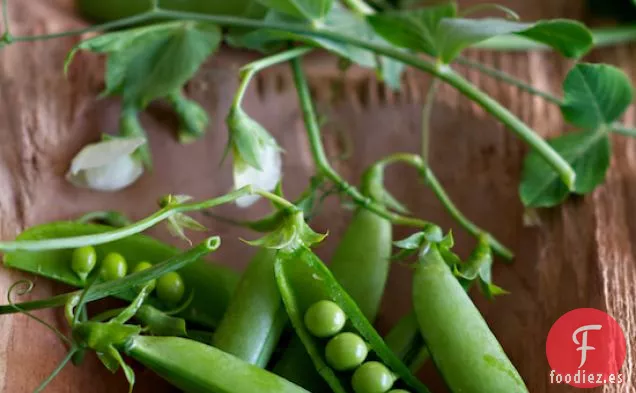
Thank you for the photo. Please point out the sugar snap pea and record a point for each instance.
(303, 281)
(200, 368)
(212, 284)
(255, 318)
(362, 258)
(460, 343)
(360, 263)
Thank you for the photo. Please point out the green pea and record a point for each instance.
(372, 377)
(346, 351)
(398, 391)
(325, 318)
(83, 261)
(143, 266)
(114, 266)
(170, 288)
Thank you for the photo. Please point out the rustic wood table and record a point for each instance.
(580, 255)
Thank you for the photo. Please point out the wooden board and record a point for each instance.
(580, 256)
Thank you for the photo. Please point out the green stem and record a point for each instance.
(246, 78)
(431, 180)
(505, 77)
(110, 288)
(359, 7)
(249, 70)
(457, 215)
(6, 35)
(551, 98)
(130, 311)
(120, 233)
(57, 370)
(554, 159)
(490, 6)
(444, 73)
(623, 129)
(427, 111)
(602, 37)
(322, 163)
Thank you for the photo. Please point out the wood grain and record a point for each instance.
(580, 255)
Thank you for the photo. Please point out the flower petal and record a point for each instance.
(269, 157)
(103, 153)
(118, 174)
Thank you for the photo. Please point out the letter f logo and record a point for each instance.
(583, 344)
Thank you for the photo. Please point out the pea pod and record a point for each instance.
(255, 318)
(460, 343)
(199, 368)
(361, 265)
(304, 280)
(212, 284)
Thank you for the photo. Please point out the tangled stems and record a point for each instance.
(140, 226)
(443, 72)
(249, 70)
(431, 181)
(325, 168)
(549, 97)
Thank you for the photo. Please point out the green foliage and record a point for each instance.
(150, 62)
(413, 29)
(595, 97)
(437, 31)
(312, 10)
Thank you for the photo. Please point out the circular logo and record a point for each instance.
(585, 349)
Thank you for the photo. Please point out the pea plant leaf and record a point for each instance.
(570, 38)
(595, 95)
(340, 20)
(413, 29)
(147, 63)
(588, 152)
(312, 10)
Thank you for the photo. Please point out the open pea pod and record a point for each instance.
(303, 281)
(212, 284)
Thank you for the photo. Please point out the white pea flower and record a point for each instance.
(108, 165)
(257, 156)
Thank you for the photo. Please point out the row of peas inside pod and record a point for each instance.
(169, 288)
(346, 351)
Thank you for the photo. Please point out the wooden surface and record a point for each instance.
(580, 256)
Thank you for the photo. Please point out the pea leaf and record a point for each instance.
(150, 62)
(340, 20)
(413, 29)
(595, 95)
(570, 38)
(589, 154)
(305, 9)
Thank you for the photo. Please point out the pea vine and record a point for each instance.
(151, 55)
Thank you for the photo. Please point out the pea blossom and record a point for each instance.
(256, 155)
(108, 165)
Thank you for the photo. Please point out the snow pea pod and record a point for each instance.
(461, 344)
(103, 11)
(212, 284)
(255, 318)
(199, 368)
(303, 281)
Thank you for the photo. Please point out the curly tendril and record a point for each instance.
(24, 287)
